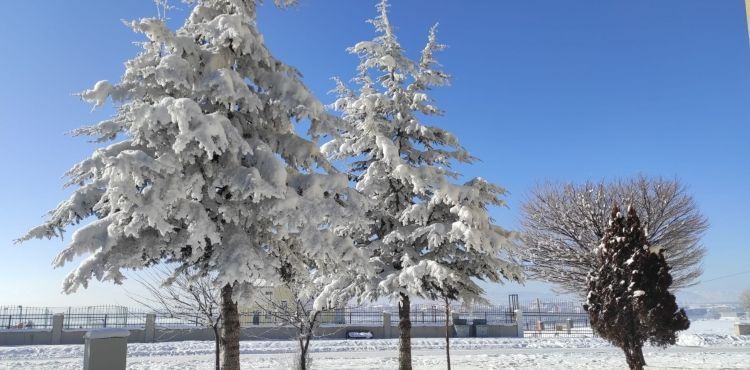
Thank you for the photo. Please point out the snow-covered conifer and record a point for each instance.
(429, 235)
(206, 168)
(628, 299)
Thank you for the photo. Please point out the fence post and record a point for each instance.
(570, 324)
(519, 323)
(57, 327)
(386, 324)
(149, 332)
(105, 349)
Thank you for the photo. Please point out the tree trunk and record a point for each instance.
(303, 343)
(634, 357)
(299, 363)
(306, 335)
(447, 334)
(217, 348)
(303, 355)
(230, 331)
(404, 327)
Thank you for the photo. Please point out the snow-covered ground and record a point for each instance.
(707, 345)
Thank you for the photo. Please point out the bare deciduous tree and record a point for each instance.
(563, 223)
(300, 313)
(187, 295)
(448, 295)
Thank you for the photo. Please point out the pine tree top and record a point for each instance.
(430, 236)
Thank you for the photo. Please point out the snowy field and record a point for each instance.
(707, 345)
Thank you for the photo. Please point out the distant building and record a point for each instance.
(270, 298)
(696, 313)
(729, 314)
(724, 312)
(276, 302)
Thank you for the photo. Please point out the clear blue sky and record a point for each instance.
(542, 90)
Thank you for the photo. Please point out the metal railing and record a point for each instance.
(561, 324)
(540, 318)
(20, 317)
(554, 318)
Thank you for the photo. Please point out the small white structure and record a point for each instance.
(105, 349)
(742, 328)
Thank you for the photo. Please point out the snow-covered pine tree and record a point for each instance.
(628, 299)
(430, 237)
(206, 168)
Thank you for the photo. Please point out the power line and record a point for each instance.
(725, 276)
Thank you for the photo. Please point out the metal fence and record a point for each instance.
(341, 317)
(540, 318)
(104, 317)
(181, 319)
(491, 315)
(551, 318)
(421, 314)
(561, 324)
(352, 316)
(20, 317)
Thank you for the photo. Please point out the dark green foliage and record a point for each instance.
(629, 300)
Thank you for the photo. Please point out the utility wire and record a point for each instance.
(725, 276)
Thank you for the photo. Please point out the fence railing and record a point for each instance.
(556, 324)
(19, 317)
(547, 318)
(539, 317)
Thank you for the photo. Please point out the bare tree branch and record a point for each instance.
(563, 223)
(184, 294)
(305, 286)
